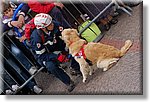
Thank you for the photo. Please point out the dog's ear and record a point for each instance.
(69, 31)
(74, 32)
(66, 39)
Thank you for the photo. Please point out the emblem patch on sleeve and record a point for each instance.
(61, 28)
(38, 45)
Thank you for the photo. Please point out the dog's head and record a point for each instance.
(72, 40)
(69, 36)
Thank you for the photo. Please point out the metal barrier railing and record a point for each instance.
(6, 84)
(113, 3)
(29, 80)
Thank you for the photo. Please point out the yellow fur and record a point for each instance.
(101, 54)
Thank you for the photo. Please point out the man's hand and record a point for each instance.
(21, 20)
(21, 39)
(59, 4)
(16, 24)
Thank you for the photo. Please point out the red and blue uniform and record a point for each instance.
(44, 46)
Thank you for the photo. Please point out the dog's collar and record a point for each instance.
(81, 53)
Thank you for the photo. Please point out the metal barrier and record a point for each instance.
(15, 72)
(113, 3)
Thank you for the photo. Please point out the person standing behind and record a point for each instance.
(8, 12)
(52, 8)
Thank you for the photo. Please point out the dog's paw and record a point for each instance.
(91, 73)
(91, 70)
(84, 80)
(128, 42)
(105, 69)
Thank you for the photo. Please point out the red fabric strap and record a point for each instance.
(40, 7)
(81, 52)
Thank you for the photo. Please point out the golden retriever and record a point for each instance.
(101, 54)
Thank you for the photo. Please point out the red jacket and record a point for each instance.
(40, 7)
(28, 28)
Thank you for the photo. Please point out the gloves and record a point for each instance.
(63, 58)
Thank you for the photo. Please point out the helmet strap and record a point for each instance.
(47, 29)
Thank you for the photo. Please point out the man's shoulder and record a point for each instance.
(35, 33)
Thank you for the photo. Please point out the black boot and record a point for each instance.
(71, 86)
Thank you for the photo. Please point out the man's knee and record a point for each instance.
(51, 66)
(15, 50)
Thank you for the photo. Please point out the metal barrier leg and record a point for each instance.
(10, 76)
(28, 80)
(4, 82)
(1, 91)
(18, 73)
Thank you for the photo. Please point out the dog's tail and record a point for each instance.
(126, 47)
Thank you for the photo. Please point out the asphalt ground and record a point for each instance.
(126, 77)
